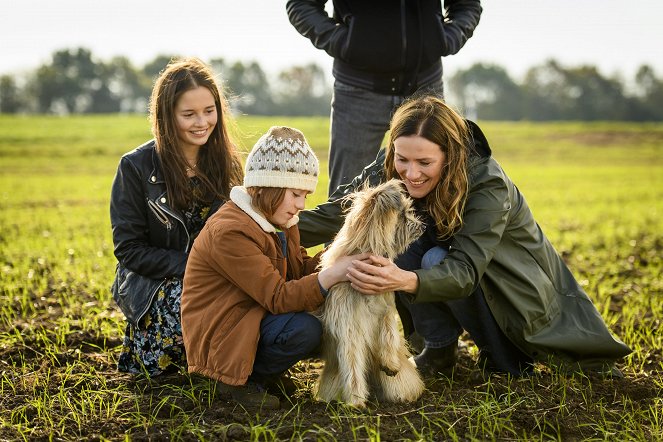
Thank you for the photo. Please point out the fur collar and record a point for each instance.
(240, 196)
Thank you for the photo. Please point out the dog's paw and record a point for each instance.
(388, 371)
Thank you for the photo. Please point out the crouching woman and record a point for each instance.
(249, 284)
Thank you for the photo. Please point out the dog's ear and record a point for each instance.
(380, 206)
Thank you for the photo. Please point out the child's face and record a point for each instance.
(293, 201)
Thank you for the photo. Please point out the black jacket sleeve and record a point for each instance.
(460, 19)
(132, 237)
(312, 21)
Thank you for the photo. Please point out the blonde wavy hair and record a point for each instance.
(432, 119)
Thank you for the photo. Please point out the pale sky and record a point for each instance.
(615, 36)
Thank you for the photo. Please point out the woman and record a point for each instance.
(249, 284)
(162, 194)
(482, 265)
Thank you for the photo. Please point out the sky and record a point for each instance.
(615, 36)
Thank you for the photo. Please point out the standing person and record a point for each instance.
(249, 284)
(162, 194)
(384, 51)
(482, 265)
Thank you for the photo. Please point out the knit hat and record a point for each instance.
(282, 158)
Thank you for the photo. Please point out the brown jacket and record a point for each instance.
(235, 275)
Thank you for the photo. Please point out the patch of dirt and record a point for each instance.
(86, 364)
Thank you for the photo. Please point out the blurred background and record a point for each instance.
(528, 59)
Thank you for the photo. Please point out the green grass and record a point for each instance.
(596, 189)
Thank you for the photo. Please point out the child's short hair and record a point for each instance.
(266, 199)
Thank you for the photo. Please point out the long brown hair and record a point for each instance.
(219, 167)
(430, 118)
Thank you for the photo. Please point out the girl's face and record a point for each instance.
(195, 117)
(293, 201)
(419, 164)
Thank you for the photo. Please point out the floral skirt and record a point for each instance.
(156, 345)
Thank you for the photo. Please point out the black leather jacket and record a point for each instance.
(150, 237)
(389, 46)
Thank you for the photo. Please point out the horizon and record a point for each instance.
(515, 35)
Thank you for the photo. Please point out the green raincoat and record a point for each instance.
(531, 292)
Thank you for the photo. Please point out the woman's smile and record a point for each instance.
(419, 163)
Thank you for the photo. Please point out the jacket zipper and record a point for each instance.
(162, 217)
(181, 221)
(162, 213)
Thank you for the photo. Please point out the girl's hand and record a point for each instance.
(377, 275)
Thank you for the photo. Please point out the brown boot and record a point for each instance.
(253, 395)
(433, 362)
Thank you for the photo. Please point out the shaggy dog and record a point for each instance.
(361, 345)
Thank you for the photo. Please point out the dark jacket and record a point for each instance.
(388, 46)
(150, 237)
(531, 292)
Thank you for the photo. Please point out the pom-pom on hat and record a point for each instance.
(282, 158)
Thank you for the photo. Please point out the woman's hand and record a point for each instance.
(338, 272)
(377, 275)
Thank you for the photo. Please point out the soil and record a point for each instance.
(168, 401)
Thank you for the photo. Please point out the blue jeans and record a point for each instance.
(286, 339)
(358, 123)
(441, 323)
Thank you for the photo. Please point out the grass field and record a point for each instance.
(596, 190)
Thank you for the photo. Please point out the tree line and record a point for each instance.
(76, 82)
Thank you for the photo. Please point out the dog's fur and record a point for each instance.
(361, 344)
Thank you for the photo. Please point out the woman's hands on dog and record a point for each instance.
(338, 272)
(377, 274)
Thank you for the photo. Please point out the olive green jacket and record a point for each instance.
(532, 294)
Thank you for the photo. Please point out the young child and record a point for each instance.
(249, 284)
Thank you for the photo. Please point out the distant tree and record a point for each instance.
(44, 88)
(74, 74)
(131, 86)
(486, 91)
(73, 83)
(556, 93)
(9, 95)
(156, 65)
(303, 90)
(543, 86)
(595, 97)
(649, 90)
(102, 98)
(246, 86)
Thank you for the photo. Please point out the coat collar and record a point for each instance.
(156, 175)
(242, 199)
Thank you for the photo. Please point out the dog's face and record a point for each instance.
(382, 220)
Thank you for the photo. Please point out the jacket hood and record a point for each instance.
(241, 197)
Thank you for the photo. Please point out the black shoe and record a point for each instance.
(487, 368)
(485, 362)
(253, 394)
(433, 362)
(605, 372)
(280, 385)
(416, 343)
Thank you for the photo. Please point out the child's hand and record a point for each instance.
(338, 272)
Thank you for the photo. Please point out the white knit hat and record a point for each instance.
(282, 158)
